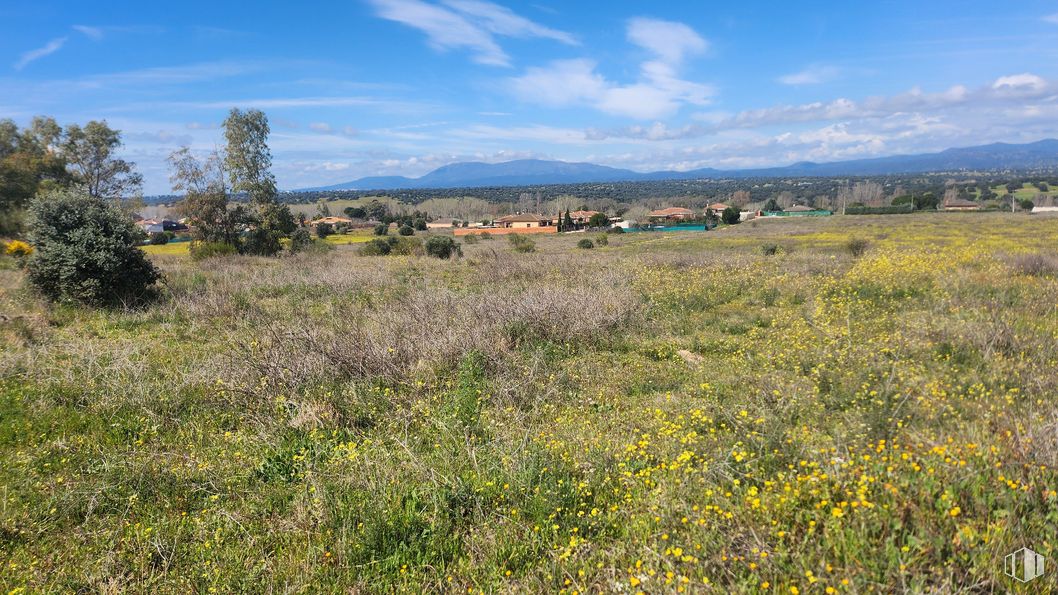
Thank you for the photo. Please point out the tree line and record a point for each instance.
(66, 190)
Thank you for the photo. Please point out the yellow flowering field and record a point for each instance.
(768, 407)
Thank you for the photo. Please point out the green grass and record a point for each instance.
(669, 411)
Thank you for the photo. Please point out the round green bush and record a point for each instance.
(406, 230)
(442, 247)
(86, 251)
(585, 244)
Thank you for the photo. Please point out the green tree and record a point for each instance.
(29, 164)
(730, 216)
(599, 220)
(90, 155)
(248, 163)
(205, 202)
(355, 212)
(567, 222)
(86, 251)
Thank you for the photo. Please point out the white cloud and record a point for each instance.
(320, 126)
(94, 33)
(813, 75)
(659, 92)
(668, 40)
(1019, 92)
(502, 21)
(466, 24)
(1051, 18)
(50, 48)
(1019, 81)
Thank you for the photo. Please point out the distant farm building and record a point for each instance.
(331, 221)
(1041, 210)
(580, 218)
(717, 208)
(672, 214)
(960, 204)
(440, 224)
(523, 221)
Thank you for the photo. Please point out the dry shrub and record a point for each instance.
(1035, 264)
(425, 329)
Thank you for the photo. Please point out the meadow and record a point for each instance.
(828, 405)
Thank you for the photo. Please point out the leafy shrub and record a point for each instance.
(405, 246)
(200, 250)
(769, 249)
(159, 238)
(1026, 204)
(615, 229)
(300, 240)
(381, 229)
(586, 244)
(18, 249)
(323, 230)
(602, 240)
(857, 247)
(420, 224)
(406, 230)
(731, 216)
(86, 251)
(376, 247)
(521, 243)
(442, 246)
(470, 239)
(261, 241)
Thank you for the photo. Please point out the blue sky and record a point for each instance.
(380, 87)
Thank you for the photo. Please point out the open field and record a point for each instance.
(755, 408)
(358, 236)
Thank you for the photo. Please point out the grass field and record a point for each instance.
(766, 407)
(181, 248)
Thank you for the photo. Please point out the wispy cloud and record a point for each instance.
(812, 75)
(670, 41)
(50, 48)
(659, 91)
(94, 33)
(1051, 18)
(1019, 93)
(467, 24)
(503, 21)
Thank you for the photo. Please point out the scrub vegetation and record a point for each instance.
(848, 404)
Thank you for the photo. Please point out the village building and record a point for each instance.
(672, 214)
(331, 220)
(960, 204)
(440, 223)
(523, 221)
(717, 209)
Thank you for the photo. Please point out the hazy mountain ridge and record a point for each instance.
(524, 172)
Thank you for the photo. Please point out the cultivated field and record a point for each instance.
(768, 406)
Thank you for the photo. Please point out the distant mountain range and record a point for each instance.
(530, 172)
